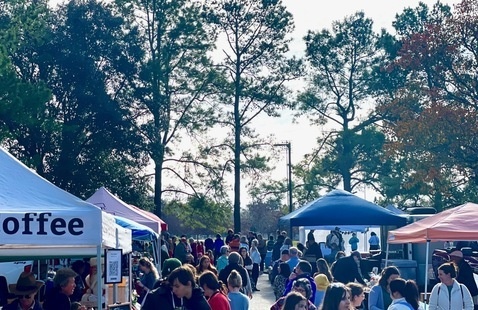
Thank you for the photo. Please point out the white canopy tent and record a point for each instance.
(108, 202)
(39, 220)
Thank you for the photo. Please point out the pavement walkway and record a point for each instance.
(264, 299)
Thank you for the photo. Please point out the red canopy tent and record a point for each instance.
(458, 223)
(454, 224)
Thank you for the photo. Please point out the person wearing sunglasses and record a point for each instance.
(25, 290)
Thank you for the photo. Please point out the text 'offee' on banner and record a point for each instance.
(50, 228)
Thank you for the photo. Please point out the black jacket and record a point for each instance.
(276, 253)
(465, 277)
(56, 300)
(163, 298)
(227, 271)
(346, 270)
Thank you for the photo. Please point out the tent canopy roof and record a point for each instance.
(339, 207)
(454, 224)
(112, 204)
(139, 231)
(39, 218)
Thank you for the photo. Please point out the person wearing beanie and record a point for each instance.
(464, 275)
(235, 264)
(169, 265)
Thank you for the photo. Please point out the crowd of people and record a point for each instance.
(223, 275)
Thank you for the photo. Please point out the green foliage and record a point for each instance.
(262, 216)
(429, 122)
(172, 92)
(200, 213)
(338, 95)
(255, 34)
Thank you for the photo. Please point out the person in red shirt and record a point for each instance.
(215, 291)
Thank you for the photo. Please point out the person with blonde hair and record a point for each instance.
(237, 300)
(149, 277)
(322, 279)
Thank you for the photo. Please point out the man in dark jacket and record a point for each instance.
(464, 274)
(234, 259)
(284, 257)
(277, 246)
(346, 269)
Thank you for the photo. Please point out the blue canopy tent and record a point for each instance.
(340, 208)
(139, 232)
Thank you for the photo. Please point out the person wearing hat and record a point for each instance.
(169, 265)
(182, 249)
(464, 275)
(58, 298)
(25, 290)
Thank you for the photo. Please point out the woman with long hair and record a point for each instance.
(322, 279)
(337, 297)
(379, 297)
(295, 301)
(246, 260)
(150, 275)
(205, 265)
(301, 286)
(215, 291)
(256, 261)
(281, 279)
(357, 295)
(404, 295)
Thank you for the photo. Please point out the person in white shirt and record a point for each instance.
(449, 294)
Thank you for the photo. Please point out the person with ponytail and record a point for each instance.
(237, 300)
(404, 295)
(215, 291)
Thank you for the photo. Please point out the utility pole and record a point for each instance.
(289, 176)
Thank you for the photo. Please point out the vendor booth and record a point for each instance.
(454, 224)
(108, 202)
(339, 208)
(39, 220)
(344, 209)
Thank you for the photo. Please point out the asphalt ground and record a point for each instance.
(264, 299)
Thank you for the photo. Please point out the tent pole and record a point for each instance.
(386, 254)
(426, 274)
(99, 275)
